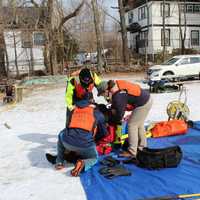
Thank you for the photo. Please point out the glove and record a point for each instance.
(109, 161)
(112, 172)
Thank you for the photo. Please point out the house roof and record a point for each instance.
(22, 17)
(131, 4)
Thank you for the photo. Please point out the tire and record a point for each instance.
(168, 73)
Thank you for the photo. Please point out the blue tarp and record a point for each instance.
(185, 179)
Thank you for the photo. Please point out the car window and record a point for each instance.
(171, 61)
(184, 61)
(194, 60)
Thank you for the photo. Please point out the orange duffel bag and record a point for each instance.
(167, 128)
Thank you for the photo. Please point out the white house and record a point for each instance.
(24, 43)
(29, 51)
(144, 19)
(26, 32)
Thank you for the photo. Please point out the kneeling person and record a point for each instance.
(84, 123)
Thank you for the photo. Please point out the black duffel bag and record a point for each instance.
(159, 158)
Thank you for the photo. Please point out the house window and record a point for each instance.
(196, 8)
(189, 8)
(167, 9)
(194, 38)
(142, 13)
(167, 37)
(130, 17)
(144, 38)
(38, 39)
(26, 39)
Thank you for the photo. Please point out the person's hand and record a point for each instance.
(72, 108)
(113, 111)
(126, 116)
(92, 105)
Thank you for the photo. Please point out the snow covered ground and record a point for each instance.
(34, 125)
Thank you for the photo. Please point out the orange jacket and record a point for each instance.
(131, 88)
(83, 118)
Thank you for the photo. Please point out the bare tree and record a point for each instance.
(147, 36)
(98, 35)
(54, 33)
(3, 70)
(182, 31)
(82, 28)
(61, 30)
(163, 33)
(71, 15)
(15, 53)
(14, 9)
(125, 50)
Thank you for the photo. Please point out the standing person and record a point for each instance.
(129, 96)
(78, 86)
(84, 124)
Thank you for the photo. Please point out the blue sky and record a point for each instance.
(113, 12)
(109, 3)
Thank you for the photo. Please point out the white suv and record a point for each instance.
(184, 66)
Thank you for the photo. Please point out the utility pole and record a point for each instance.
(163, 20)
(125, 50)
(97, 25)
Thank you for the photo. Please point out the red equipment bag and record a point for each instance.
(103, 149)
(104, 145)
(110, 137)
(168, 128)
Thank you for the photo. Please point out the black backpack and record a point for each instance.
(159, 158)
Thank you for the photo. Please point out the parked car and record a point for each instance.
(91, 58)
(80, 58)
(178, 67)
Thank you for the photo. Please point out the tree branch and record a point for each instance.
(106, 13)
(34, 3)
(71, 15)
(115, 19)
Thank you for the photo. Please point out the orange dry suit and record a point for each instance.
(131, 89)
(128, 97)
(83, 118)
